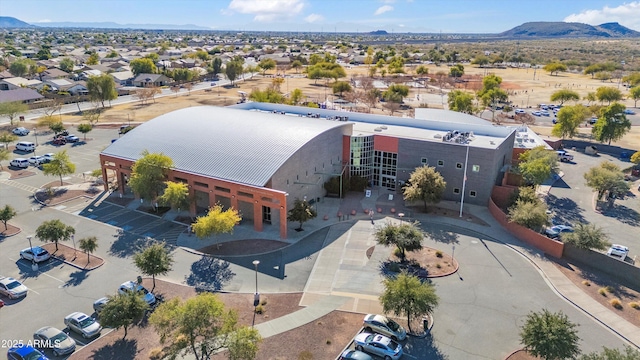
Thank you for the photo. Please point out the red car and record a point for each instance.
(59, 141)
(1, 303)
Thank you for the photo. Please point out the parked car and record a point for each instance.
(63, 133)
(83, 324)
(26, 146)
(12, 288)
(564, 156)
(35, 253)
(536, 113)
(593, 120)
(354, 355)
(555, 231)
(72, 138)
(21, 131)
(520, 111)
(25, 352)
(545, 113)
(379, 345)
(385, 326)
(59, 342)
(99, 304)
(19, 163)
(620, 251)
(132, 286)
(36, 160)
(46, 158)
(59, 140)
(629, 112)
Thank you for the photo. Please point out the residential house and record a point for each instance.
(122, 77)
(17, 83)
(53, 73)
(149, 80)
(22, 94)
(86, 74)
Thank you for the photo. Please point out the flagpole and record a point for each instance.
(464, 180)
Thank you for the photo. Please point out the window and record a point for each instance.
(424, 161)
(440, 162)
(458, 165)
(472, 193)
(456, 190)
(201, 184)
(475, 168)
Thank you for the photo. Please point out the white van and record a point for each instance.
(26, 146)
(19, 163)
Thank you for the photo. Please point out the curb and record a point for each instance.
(78, 267)
(428, 331)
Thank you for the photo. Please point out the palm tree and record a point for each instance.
(89, 245)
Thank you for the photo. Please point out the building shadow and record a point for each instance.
(566, 210)
(209, 274)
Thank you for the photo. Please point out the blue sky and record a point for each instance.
(447, 16)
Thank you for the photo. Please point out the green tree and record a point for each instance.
(153, 56)
(66, 65)
(6, 138)
(565, 95)
(456, 71)
(635, 158)
(632, 79)
(89, 245)
(608, 94)
(296, 65)
(268, 95)
(56, 126)
(555, 67)
(143, 65)
(101, 88)
(612, 124)
(422, 70)
(532, 215)
(243, 344)
(325, 70)
(155, 259)
(341, 86)
(296, 96)
(634, 93)
(460, 101)
(405, 236)
(266, 65)
(232, 70)
(20, 68)
(613, 354)
(84, 128)
(123, 310)
(407, 295)
(200, 325)
(586, 236)
(176, 195)
(7, 213)
(301, 212)
(216, 66)
(550, 336)
(569, 120)
(425, 184)
(315, 59)
(93, 59)
(217, 221)
(11, 109)
(149, 173)
(396, 92)
(607, 179)
(4, 156)
(490, 93)
(537, 164)
(54, 231)
(60, 165)
(480, 60)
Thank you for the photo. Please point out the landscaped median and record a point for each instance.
(74, 257)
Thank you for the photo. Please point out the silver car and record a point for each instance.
(12, 288)
(35, 253)
(52, 338)
(130, 286)
(385, 326)
(377, 344)
(83, 324)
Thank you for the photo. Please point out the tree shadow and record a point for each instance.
(391, 268)
(567, 211)
(426, 348)
(623, 214)
(120, 349)
(126, 244)
(441, 235)
(209, 274)
(76, 278)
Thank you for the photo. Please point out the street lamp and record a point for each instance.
(256, 295)
(35, 133)
(34, 264)
(73, 238)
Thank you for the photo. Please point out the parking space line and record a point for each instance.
(40, 272)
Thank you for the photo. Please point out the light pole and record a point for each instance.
(34, 264)
(73, 238)
(256, 295)
(35, 133)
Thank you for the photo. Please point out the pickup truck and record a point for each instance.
(564, 156)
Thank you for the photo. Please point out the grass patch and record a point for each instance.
(634, 305)
(305, 355)
(616, 303)
(586, 283)
(260, 309)
(602, 291)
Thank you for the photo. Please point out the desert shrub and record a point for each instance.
(616, 303)
(156, 354)
(586, 283)
(634, 305)
(438, 266)
(397, 252)
(602, 291)
(609, 289)
(328, 342)
(263, 302)
(260, 309)
(305, 355)
(439, 253)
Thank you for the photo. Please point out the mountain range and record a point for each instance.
(540, 29)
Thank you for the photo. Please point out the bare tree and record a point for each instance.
(175, 89)
(188, 86)
(525, 119)
(392, 106)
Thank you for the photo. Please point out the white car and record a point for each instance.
(21, 131)
(536, 113)
(378, 345)
(385, 326)
(35, 253)
(520, 111)
(61, 343)
(72, 138)
(620, 251)
(19, 163)
(555, 231)
(133, 286)
(47, 158)
(12, 288)
(36, 160)
(544, 113)
(83, 324)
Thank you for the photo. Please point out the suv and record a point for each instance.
(21, 131)
(620, 251)
(564, 156)
(19, 163)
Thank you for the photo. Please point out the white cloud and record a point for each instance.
(387, 1)
(312, 18)
(626, 14)
(43, 21)
(383, 9)
(267, 11)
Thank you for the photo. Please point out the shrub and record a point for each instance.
(438, 253)
(586, 283)
(635, 305)
(609, 289)
(602, 291)
(397, 252)
(438, 265)
(305, 355)
(328, 341)
(259, 309)
(156, 354)
(263, 302)
(616, 303)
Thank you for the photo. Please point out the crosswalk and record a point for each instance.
(18, 185)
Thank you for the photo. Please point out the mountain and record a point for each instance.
(565, 29)
(113, 25)
(11, 22)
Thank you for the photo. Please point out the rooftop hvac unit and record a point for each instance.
(377, 129)
(437, 136)
(381, 127)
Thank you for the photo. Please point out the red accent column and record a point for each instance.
(257, 216)
(283, 222)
